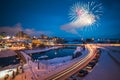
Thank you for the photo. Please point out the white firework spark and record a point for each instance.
(85, 14)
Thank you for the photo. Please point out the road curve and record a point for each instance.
(77, 66)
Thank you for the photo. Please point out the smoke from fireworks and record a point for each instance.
(85, 14)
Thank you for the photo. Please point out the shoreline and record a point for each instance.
(40, 50)
(6, 53)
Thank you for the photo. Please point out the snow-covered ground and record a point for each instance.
(78, 49)
(48, 67)
(7, 53)
(56, 61)
(40, 50)
(105, 69)
(9, 71)
(53, 69)
(113, 48)
(61, 60)
(114, 52)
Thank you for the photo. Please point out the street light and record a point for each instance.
(38, 64)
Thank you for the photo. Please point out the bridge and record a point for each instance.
(65, 45)
(83, 44)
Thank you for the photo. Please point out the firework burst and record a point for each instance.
(87, 14)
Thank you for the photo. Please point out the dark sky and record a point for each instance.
(47, 16)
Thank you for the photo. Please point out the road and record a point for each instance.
(77, 66)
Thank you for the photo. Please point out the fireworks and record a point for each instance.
(85, 14)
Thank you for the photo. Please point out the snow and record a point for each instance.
(56, 61)
(45, 56)
(7, 53)
(53, 66)
(46, 67)
(63, 60)
(8, 71)
(113, 48)
(114, 52)
(78, 49)
(49, 66)
(105, 69)
(41, 50)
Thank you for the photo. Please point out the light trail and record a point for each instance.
(70, 69)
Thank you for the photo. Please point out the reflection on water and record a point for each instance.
(8, 61)
(55, 52)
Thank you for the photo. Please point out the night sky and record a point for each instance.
(47, 16)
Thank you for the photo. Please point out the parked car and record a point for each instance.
(97, 55)
(90, 65)
(99, 51)
(82, 73)
(95, 60)
(72, 78)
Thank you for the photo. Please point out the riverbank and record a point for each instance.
(41, 50)
(7, 53)
(52, 67)
(40, 70)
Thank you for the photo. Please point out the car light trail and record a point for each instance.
(68, 70)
